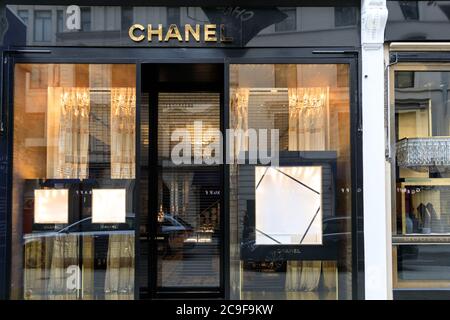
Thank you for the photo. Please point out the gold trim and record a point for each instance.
(415, 66)
(412, 66)
(421, 239)
(419, 46)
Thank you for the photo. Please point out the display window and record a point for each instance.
(73, 215)
(84, 133)
(420, 220)
(294, 241)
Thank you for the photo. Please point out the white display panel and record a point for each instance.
(108, 205)
(288, 205)
(51, 206)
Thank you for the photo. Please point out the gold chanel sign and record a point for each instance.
(207, 32)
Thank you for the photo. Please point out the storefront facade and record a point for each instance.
(418, 59)
(153, 152)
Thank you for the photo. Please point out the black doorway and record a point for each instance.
(184, 216)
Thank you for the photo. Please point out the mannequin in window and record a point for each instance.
(436, 226)
(424, 219)
(409, 223)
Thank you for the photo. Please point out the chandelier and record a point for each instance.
(75, 101)
(314, 97)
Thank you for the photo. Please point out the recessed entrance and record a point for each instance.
(191, 230)
(185, 200)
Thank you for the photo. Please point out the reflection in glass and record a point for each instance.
(249, 27)
(42, 25)
(345, 16)
(421, 266)
(23, 14)
(73, 139)
(290, 22)
(85, 19)
(278, 192)
(189, 195)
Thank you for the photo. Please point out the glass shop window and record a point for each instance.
(73, 214)
(421, 220)
(291, 222)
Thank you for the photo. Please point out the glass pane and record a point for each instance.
(421, 225)
(188, 194)
(291, 223)
(74, 159)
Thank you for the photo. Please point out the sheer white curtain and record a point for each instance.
(239, 118)
(119, 278)
(123, 118)
(308, 117)
(119, 281)
(303, 275)
(306, 275)
(68, 132)
(37, 262)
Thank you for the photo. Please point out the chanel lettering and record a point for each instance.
(197, 33)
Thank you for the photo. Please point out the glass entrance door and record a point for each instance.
(185, 182)
(189, 193)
